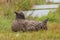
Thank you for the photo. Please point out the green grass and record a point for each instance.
(53, 32)
(7, 17)
(7, 9)
(52, 16)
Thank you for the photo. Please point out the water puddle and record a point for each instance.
(38, 13)
(50, 6)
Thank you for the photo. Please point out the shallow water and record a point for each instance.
(41, 10)
(55, 1)
(38, 13)
(50, 6)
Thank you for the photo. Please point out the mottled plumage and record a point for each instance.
(20, 23)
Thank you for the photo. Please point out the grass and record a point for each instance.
(52, 16)
(7, 9)
(53, 32)
(7, 17)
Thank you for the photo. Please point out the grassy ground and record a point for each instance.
(7, 16)
(53, 32)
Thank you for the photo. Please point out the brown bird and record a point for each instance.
(22, 24)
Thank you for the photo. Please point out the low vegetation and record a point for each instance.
(7, 16)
